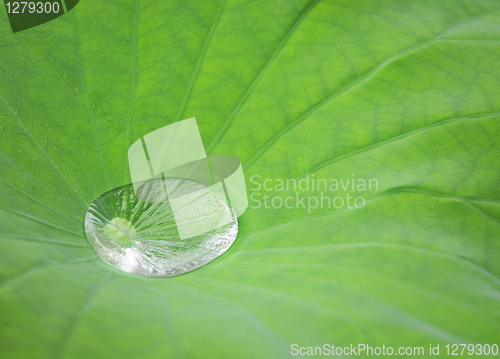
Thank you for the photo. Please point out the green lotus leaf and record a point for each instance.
(405, 93)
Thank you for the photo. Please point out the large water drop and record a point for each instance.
(141, 235)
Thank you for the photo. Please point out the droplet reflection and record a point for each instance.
(141, 236)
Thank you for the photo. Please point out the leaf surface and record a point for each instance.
(403, 92)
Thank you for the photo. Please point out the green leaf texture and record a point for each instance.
(405, 92)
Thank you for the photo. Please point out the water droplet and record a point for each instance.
(141, 236)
